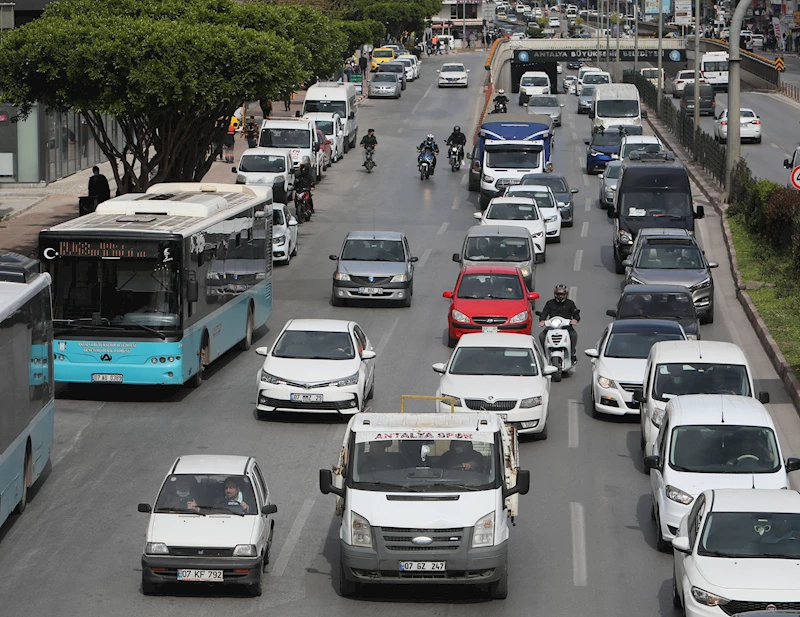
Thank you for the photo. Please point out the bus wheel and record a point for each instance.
(196, 379)
(247, 341)
(26, 480)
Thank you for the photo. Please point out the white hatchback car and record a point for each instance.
(711, 441)
(284, 234)
(316, 366)
(749, 126)
(638, 142)
(417, 64)
(738, 551)
(453, 74)
(517, 212)
(212, 523)
(546, 202)
(499, 372)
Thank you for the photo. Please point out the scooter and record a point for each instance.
(369, 163)
(455, 154)
(425, 164)
(558, 346)
(301, 205)
(499, 108)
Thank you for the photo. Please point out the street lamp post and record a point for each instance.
(608, 35)
(636, 38)
(660, 53)
(599, 27)
(617, 73)
(696, 76)
(734, 92)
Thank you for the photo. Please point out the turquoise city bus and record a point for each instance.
(26, 379)
(153, 287)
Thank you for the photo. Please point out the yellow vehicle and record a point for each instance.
(381, 55)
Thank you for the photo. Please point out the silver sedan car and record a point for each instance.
(546, 104)
(608, 183)
(384, 85)
(585, 99)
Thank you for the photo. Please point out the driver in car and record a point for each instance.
(462, 455)
(747, 447)
(232, 497)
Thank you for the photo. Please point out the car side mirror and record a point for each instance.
(638, 394)
(611, 212)
(262, 351)
(145, 507)
(326, 483)
(787, 163)
(468, 70)
(438, 367)
(681, 544)
(292, 221)
(447, 294)
(591, 115)
(763, 397)
(549, 369)
(611, 313)
(592, 353)
(469, 155)
(297, 114)
(573, 191)
(270, 508)
(627, 263)
(713, 264)
(652, 462)
(699, 212)
(792, 464)
(532, 295)
(234, 170)
(477, 215)
(333, 257)
(413, 260)
(438, 71)
(644, 114)
(586, 141)
(523, 484)
(352, 116)
(457, 258)
(561, 105)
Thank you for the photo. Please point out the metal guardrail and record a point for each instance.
(752, 63)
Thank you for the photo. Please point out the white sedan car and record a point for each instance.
(517, 212)
(499, 372)
(453, 74)
(749, 126)
(316, 366)
(554, 22)
(546, 202)
(619, 360)
(738, 550)
(284, 234)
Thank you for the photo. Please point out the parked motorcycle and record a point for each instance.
(425, 164)
(456, 155)
(558, 346)
(369, 163)
(302, 197)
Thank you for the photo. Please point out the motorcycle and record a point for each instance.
(499, 108)
(301, 204)
(425, 164)
(558, 346)
(369, 163)
(455, 154)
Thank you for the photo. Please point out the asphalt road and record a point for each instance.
(584, 543)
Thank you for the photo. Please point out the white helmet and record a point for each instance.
(430, 136)
(501, 91)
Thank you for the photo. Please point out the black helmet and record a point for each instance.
(456, 129)
(370, 130)
(560, 293)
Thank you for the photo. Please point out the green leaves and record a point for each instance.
(398, 15)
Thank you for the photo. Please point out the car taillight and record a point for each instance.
(755, 121)
(724, 123)
(713, 103)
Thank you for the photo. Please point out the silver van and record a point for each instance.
(499, 245)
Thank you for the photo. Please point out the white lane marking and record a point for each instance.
(400, 130)
(578, 258)
(74, 441)
(424, 96)
(443, 228)
(456, 201)
(572, 434)
(586, 181)
(574, 135)
(774, 145)
(578, 525)
(588, 204)
(571, 124)
(406, 121)
(292, 538)
(355, 186)
(386, 336)
(464, 180)
(424, 257)
(585, 229)
(573, 294)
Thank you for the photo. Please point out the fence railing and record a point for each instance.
(790, 90)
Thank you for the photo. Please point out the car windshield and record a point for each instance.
(497, 248)
(383, 53)
(596, 78)
(285, 138)
(384, 78)
(678, 379)
(670, 258)
(453, 68)
(611, 138)
(644, 147)
(724, 449)
(760, 535)
(206, 495)
(325, 126)
(543, 101)
(543, 199)
(620, 108)
(508, 361)
(636, 345)
(657, 306)
(685, 75)
(373, 250)
(586, 91)
(434, 462)
(326, 107)
(518, 158)
(534, 80)
(277, 217)
(557, 184)
(391, 68)
(512, 212)
(612, 172)
(263, 163)
(490, 287)
(314, 345)
(653, 203)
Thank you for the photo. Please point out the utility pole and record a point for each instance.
(660, 92)
(617, 73)
(599, 28)
(464, 24)
(636, 38)
(696, 77)
(608, 36)
(734, 92)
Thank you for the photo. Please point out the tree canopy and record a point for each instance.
(397, 15)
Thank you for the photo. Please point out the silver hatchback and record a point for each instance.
(547, 105)
(384, 85)
(608, 183)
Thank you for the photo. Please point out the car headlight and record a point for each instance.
(531, 401)
(341, 276)
(605, 382)
(456, 400)
(632, 280)
(241, 179)
(266, 377)
(519, 317)
(677, 495)
(347, 381)
(525, 270)
(245, 550)
(593, 152)
(459, 317)
(360, 531)
(279, 240)
(551, 219)
(657, 417)
(156, 548)
(399, 278)
(708, 598)
(625, 237)
(538, 234)
(704, 284)
(488, 179)
(278, 180)
(484, 531)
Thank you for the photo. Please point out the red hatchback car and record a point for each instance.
(489, 299)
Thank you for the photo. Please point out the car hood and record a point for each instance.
(453, 74)
(625, 370)
(373, 268)
(757, 574)
(531, 226)
(501, 308)
(696, 483)
(310, 371)
(547, 111)
(635, 223)
(687, 278)
(279, 231)
(492, 387)
(217, 530)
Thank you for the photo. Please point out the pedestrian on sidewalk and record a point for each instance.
(286, 97)
(98, 186)
(250, 132)
(229, 143)
(362, 64)
(266, 107)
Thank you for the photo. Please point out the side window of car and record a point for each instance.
(361, 337)
(601, 344)
(408, 249)
(695, 518)
(258, 484)
(539, 355)
(663, 438)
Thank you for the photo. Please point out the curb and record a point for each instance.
(13, 215)
(790, 382)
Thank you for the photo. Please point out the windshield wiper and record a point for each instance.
(465, 487)
(177, 511)
(389, 486)
(142, 327)
(221, 509)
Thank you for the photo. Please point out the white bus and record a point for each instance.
(714, 68)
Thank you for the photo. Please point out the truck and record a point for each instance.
(507, 148)
(426, 498)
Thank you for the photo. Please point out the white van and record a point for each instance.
(677, 368)
(616, 104)
(582, 72)
(714, 68)
(533, 83)
(299, 136)
(595, 78)
(267, 167)
(333, 127)
(426, 496)
(335, 97)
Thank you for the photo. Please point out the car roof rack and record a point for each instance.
(644, 155)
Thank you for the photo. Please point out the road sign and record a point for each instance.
(796, 177)
(780, 65)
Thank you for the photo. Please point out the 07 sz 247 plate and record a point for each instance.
(422, 566)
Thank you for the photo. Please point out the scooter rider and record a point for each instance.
(561, 306)
(501, 98)
(368, 142)
(305, 180)
(430, 144)
(457, 138)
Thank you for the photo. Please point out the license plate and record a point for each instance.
(372, 291)
(422, 566)
(307, 398)
(489, 329)
(102, 378)
(205, 576)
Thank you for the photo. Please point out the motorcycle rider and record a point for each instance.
(368, 141)
(304, 179)
(501, 98)
(561, 306)
(457, 138)
(430, 144)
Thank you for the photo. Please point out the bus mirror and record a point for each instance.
(192, 288)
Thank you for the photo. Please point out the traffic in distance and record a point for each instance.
(156, 289)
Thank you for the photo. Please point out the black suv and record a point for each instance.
(672, 302)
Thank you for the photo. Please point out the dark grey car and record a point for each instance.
(373, 265)
(672, 302)
(708, 99)
(560, 187)
(585, 99)
(608, 183)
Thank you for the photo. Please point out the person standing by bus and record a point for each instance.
(250, 132)
(230, 141)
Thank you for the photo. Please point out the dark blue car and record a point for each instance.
(604, 145)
